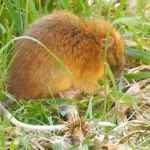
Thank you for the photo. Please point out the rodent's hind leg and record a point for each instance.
(70, 109)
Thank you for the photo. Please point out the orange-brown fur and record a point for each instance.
(76, 43)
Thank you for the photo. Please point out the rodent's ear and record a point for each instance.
(110, 42)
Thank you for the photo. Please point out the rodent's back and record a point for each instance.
(33, 67)
(74, 41)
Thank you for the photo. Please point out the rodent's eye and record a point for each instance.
(116, 58)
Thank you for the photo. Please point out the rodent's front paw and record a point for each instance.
(70, 93)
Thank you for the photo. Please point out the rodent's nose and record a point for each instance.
(118, 72)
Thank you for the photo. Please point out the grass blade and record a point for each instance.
(65, 4)
(32, 8)
(139, 54)
(124, 97)
(136, 76)
(131, 20)
(14, 15)
(110, 75)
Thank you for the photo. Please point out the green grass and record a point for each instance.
(15, 15)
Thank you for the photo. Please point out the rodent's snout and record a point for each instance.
(118, 71)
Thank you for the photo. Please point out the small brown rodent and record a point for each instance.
(78, 43)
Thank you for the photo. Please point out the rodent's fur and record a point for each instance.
(77, 43)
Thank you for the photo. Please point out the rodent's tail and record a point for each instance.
(15, 122)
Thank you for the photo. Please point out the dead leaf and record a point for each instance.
(117, 147)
